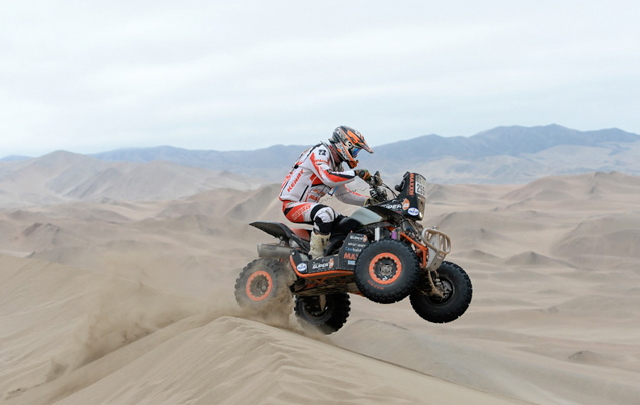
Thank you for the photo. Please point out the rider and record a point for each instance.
(318, 171)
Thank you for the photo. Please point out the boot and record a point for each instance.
(318, 242)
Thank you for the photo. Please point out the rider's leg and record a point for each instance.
(298, 212)
(323, 218)
(319, 215)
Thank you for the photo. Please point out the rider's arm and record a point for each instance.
(347, 196)
(320, 161)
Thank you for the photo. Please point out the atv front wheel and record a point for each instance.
(387, 271)
(262, 286)
(455, 286)
(328, 313)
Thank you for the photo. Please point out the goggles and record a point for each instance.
(355, 151)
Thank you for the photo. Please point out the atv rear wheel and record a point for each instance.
(262, 287)
(456, 288)
(326, 313)
(387, 271)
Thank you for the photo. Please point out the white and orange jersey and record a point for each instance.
(315, 174)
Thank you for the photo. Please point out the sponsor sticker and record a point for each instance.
(411, 184)
(320, 266)
(295, 181)
(357, 237)
(405, 204)
(393, 207)
(302, 267)
(414, 211)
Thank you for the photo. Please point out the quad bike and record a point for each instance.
(380, 252)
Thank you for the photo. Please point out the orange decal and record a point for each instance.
(352, 137)
(411, 184)
(350, 256)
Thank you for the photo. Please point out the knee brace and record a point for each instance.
(323, 218)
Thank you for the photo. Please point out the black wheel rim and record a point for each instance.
(385, 268)
(446, 287)
(316, 307)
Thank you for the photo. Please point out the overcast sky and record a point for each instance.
(92, 76)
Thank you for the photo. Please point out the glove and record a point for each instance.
(363, 174)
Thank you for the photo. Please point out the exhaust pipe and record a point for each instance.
(273, 251)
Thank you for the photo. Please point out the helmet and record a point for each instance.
(347, 142)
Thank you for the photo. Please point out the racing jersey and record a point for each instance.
(315, 174)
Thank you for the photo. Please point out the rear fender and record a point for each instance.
(281, 231)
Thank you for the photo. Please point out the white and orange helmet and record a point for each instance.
(348, 142)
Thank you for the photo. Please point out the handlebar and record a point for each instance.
(375, 180)
(377, 193)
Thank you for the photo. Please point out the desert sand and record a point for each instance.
(131, 302)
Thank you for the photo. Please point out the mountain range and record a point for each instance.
(503, 155)
(511, 154)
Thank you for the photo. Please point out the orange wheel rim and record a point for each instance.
(385, 273)
(255, 285)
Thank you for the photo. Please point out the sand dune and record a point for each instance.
(138, 306)
(492, 370)
(591, 185)
(61, 177)
(280, 366)
(533, 259)
(102, 331)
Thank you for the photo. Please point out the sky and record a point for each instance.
(93, 76)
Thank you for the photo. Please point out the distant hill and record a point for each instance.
(507, 141)
(511, 154)
(14, 158)
(503, 155)
(270, 163)
(63, 177)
